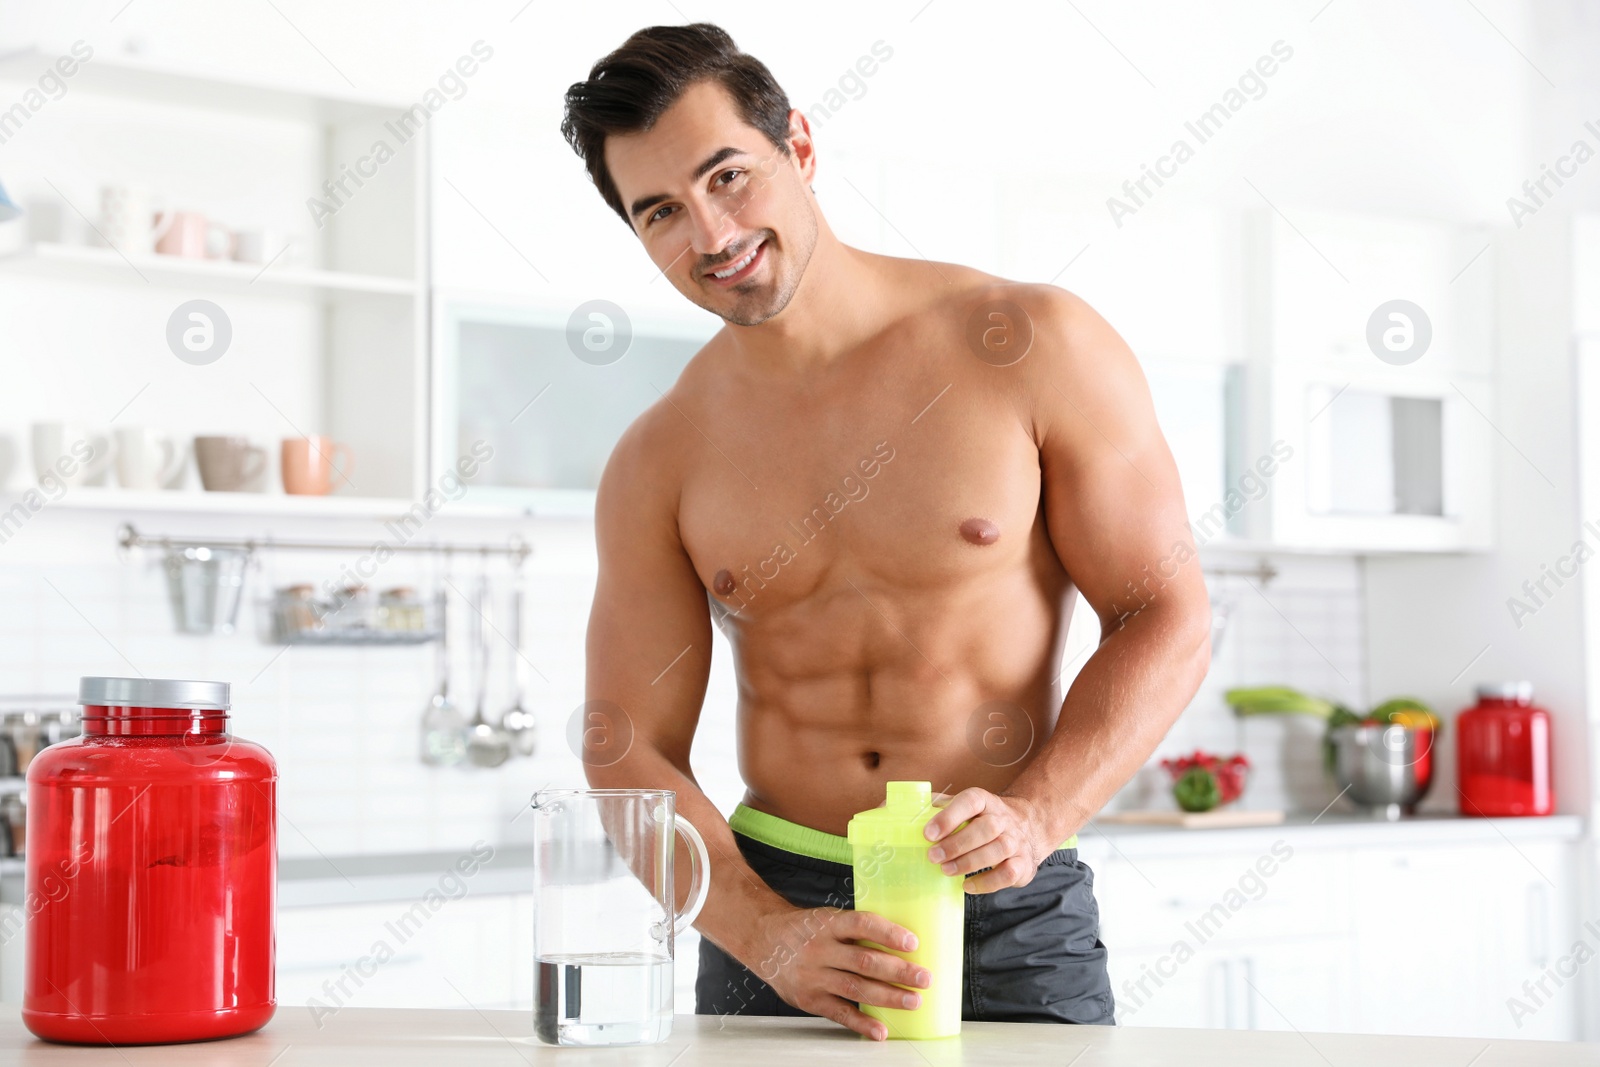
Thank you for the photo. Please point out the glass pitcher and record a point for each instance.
(605, 918)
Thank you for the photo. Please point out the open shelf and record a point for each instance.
(133, 77)
(105, 264)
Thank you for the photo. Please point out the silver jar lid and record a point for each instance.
(155, 693)
(1521, 692)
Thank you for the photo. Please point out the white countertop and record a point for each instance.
(357, 1036)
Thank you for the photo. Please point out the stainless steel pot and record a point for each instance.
(1384, 768)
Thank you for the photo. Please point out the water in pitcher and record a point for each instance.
(606, 998)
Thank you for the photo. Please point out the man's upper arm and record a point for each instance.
(649, 642)
(1113, 501)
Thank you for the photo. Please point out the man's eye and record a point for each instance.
(659, 214)
(727, 176)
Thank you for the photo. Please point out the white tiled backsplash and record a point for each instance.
(343, 721)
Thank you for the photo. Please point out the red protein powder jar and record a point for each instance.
(151, 871)
(1503, 753)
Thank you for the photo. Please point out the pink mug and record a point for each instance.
(191, 235)
(309, 465)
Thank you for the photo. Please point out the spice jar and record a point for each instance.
(151, 871)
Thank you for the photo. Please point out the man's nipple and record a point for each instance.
(980, 532)
(723, 584)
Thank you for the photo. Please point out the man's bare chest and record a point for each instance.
(877, 498)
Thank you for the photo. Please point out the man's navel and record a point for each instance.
(980, 532)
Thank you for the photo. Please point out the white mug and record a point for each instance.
(147, 460)
(259, 246)
(128, 219)
(68, 455)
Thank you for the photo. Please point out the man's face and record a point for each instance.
(724, 214)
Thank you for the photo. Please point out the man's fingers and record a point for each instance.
(853, 987)
(1013, 871)
(992, 854)
(847, 1014)
(874, 963)
(963, 806)
(866, 926)
(976, 834)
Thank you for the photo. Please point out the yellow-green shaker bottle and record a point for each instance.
(894, 878)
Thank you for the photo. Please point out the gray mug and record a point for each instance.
(230, 464)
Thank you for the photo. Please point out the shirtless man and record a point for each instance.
(886, 480)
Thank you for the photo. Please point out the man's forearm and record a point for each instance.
(1120, 706)
(738, 899)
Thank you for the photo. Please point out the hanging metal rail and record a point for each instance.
(128, 537)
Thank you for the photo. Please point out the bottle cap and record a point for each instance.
(1520, 692)
(154, 693)
(900, 822)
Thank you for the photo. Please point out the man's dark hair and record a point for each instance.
(630, 89)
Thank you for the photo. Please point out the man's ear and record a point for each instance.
(801, 147)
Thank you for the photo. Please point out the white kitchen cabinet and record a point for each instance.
(1317, 277)
(1387, 453)
(468, 950)
(1422, 939)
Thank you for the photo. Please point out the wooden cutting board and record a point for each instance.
(1195, 820)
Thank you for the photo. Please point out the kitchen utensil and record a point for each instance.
(147, 460)
(167, 857)
(517, 721)
(1386, 768)
(14, 820)
(1503, 753)
(23, 731)
(128, 220)
(69, 455)
(894, 878)
(487, 744)
(205, 586)
(230, 464)
(604, 912)
(444, 728)
(308, 464)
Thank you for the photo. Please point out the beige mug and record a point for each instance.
(230, 464)
(147, 460)
(70, 455)
(309, 464)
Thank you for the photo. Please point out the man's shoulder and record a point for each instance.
(952, 290)
(999, 317)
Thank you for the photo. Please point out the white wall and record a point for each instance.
(995, 140)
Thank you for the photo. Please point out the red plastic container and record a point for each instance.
(1503, 753)
(151, 871)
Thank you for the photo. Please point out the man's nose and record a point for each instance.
(712, 229)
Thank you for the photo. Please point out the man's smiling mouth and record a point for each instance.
(740, 266)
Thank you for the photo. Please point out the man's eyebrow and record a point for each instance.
(645, 203)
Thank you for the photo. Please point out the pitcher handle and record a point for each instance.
(699, 875)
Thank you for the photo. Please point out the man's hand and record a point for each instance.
(815, 964)
(1001, 833)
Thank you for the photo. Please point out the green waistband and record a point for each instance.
(803, 840)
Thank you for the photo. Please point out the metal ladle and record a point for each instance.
(443, 725)
(487, 744)
(517, 721)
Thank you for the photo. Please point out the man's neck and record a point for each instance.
(839, 305)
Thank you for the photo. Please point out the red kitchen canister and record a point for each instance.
(1503, 753)
(151, 871)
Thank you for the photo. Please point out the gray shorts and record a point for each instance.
(1032, 953)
